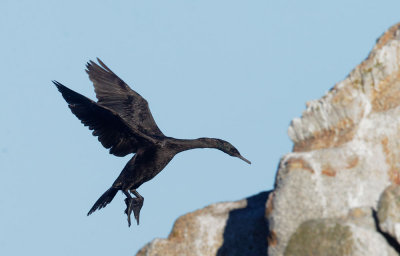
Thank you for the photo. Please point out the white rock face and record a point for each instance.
(346, 147)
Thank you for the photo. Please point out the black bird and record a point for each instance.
(122, 121)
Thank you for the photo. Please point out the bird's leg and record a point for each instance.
(129, 204)
(133, 204)
(138, 203)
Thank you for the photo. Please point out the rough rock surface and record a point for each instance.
(230, 228)
(389, 211)
(346, 150)
(354, 234)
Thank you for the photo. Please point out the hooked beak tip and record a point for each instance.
(244, 159)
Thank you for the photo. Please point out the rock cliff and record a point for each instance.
(337, 193)
(231, 228)
(346, 152)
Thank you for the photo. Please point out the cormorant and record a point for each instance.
(122, 121)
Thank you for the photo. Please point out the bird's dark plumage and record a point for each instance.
(122, 121)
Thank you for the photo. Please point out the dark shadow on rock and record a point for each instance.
(246, 229)
(389, 239)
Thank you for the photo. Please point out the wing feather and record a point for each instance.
(112, 131)
(112, 92)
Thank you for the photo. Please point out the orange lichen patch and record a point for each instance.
(272, 239)
(352, 162)
(357, 213)
(328, 170)
(390, 34)
(180, 226)
(270, 206)
(385, 146)
(387, 94)
(343, 96)
(395, 177)
(391, 160)
(298, 163)
(342, 133)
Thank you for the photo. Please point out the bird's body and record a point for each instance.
(146, 164)
(123, 123)
(143, 166)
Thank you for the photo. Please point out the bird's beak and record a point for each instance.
(244, 159)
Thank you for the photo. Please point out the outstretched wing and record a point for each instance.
(115, 94)
(112, 131)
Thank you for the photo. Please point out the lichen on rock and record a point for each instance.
(319, 237)
(351, 235)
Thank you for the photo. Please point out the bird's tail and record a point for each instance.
(105, 199)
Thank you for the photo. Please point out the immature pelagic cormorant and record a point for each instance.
(122, 121)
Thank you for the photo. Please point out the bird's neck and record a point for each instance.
(183, 144)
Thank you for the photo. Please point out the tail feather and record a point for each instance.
(105, 199)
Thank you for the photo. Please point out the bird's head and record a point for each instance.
(229, 149)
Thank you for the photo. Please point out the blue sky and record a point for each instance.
(236, 70)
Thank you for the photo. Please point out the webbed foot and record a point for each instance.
(133, 205)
